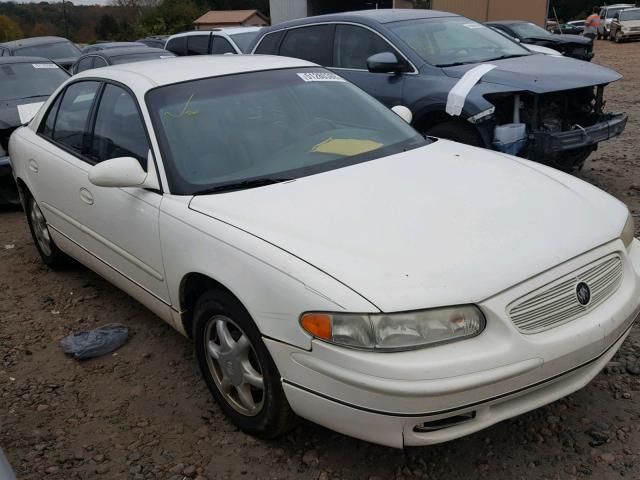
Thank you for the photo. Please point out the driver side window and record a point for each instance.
(353, 45)
(119, 129)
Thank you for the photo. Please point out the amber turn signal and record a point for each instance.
(317, 324)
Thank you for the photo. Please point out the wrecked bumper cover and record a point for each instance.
(553, 142)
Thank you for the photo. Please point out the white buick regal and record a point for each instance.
(327, 260)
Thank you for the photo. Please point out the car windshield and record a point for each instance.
(139, 57)
(269, 126)
(611, 12)
(529, 30)
(25, 80)
(50, 50)
(630, 15)
(452, 41)
(243, 40)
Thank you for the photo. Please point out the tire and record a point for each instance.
(270, 415)
(618, 37)
(458, 132)
(50, 254)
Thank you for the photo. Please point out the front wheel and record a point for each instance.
(238, 368)
(618, 37)
(458, 132)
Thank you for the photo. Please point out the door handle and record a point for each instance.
(33, 165)
(86, 196)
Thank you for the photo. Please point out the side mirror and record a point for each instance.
(384, 62)
(403, 112)
(118, 172)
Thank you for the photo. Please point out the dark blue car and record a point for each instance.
(540, 107)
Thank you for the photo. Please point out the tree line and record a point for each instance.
(121, 20)
(131, 19)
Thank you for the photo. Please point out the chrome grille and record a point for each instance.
(557, 303)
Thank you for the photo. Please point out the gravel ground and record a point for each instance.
(144, 413)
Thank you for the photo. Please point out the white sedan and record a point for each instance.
(327, 260)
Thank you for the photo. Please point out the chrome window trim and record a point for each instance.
(402, 55)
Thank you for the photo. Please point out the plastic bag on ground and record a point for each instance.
(95, 343)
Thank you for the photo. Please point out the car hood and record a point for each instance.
(541, 73)
(630, 23)
(561, 39)
(440, 225)
(14, 113)
(65, 62)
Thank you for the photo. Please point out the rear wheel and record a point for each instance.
(238, 368)
(50, 254)
(458, 132)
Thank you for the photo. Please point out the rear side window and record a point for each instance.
(99, 62)
(118, 130)
(353, 45)
(70, 127)
(198, 44)
(47, 126)
(270, 42)
(314, 44)
(84, 64)
(221, 46)
(177, 45)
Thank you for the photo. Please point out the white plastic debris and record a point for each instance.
(458, 94)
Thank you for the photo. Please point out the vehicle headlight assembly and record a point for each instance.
(395, 331)
(628, 231)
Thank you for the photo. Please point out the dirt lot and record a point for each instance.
(144, 413)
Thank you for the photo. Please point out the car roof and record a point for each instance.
(227, 30)
(146, 75)
(106, 45)
(19, 59)
(383, 15)
(634, 8)
(117, 52)
(506, 22)
(30, 42)
(618, 5)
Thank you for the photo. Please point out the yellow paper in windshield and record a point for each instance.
(346, 146)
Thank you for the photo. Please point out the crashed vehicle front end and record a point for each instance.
(558, 105)
(8, 189)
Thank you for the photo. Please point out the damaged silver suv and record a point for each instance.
(462, 80)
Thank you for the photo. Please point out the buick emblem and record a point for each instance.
(583, 293)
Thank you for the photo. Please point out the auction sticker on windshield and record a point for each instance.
(44, 65)
(321, 77)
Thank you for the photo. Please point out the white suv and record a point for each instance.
(606, 14)
(211, 42)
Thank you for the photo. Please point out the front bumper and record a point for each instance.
(438, 394)
(631, 35)
(548, 143)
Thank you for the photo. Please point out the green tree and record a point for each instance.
(178, 15)
(9, 30)
(108, 27)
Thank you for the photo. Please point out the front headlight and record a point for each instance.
(395, 331)
(628, 231)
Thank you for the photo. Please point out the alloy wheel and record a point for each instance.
(234, 365)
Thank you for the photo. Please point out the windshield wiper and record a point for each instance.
(243, 185)
(512, 55)
(34, 96)
(454, 64)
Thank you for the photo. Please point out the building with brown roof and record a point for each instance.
(230, 18)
